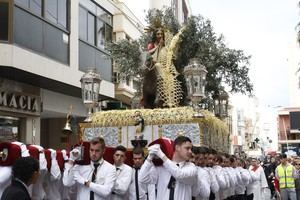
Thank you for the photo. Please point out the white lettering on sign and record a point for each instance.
(18, 101)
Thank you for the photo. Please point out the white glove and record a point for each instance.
(150, 156)
(74, 154)
(79, 179)
(64, 154)
(160, 154)
(53, 154)
(24, 150)
(152, 150)
(43, 161)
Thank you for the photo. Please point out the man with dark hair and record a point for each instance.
(240, 189)
(221, 177)
(94, 181)
(123, 172)
(180, 140)
(286, 174)
(137, 190)
(175, 177)
(25, 172)
(201, 190)
(214, 184)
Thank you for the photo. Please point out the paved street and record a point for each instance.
(267, 194)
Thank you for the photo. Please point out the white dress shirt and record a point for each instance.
(245, 177)
(223, 193)
(120, 189)
(144, 189)
(53, 181)
(201, 190)
(185, 175)
(232, 180)
(214, 186)
(259, 182)
(5, 178)
(103, 185)
(220, 177)
(36, 190)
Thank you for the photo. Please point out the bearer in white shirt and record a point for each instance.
(201, 190)
(136, 188)
(94, 181)
(123, 172)
(175, 178)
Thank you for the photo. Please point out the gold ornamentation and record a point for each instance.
(168, 87)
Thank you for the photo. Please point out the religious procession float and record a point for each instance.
(159, 113)
(164, 110)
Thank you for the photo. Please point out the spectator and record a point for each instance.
(25, 172)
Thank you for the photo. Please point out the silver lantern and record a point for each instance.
(195, 76)
(90, 87)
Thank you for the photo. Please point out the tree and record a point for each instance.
(224, 65)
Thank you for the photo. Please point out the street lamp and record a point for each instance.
(90, 87)
(221, 104)
(195, 76)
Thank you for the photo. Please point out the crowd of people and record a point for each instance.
(282, 175)
(191, 173)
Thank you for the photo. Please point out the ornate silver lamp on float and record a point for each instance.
(195, 76)
(90, 87)
(221, 104)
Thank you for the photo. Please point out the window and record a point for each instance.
(23, 3)
(4, 21)
(51, 10)
(108, 33)
(100, 34)
(62, 13)
(299, 82)
(102, 14)
(36, 34)
(55, 11)
(82, 24)
(93, 28)
(36, 6)
(33, 5)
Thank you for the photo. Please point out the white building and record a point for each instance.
(45, 47)
(181, 8)
(245, 116)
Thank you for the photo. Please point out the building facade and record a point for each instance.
(288, 130)
(181, 8)
(45, 48)
(287, 117)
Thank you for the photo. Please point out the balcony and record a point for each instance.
(124, 91)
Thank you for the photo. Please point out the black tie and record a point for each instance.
(93, 179)
(137, 184)
(171, 186)
(212, 196)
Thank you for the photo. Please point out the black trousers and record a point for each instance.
(240, 197)
(250, 197)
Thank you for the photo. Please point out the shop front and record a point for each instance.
(20, 108)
